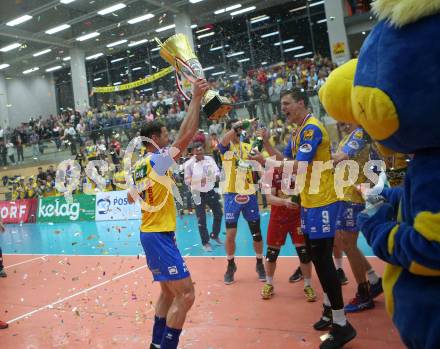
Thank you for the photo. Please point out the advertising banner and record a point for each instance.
(56, 209)
(114, 206)
(18, 211)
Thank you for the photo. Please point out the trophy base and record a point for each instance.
(217, 107)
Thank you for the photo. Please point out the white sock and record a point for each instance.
(307, 282)
(269, 280)
(339, 317)
(373, 278)
(326, 300)
(338, 263)
(259, 256)
(230, 257)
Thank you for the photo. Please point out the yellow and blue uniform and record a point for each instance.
(154, 183)
(238, 194)
(319, 205)
(356, 146)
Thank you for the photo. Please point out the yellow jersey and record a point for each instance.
(237, 171)
(356, 146)
(311, 143)
(156, 192)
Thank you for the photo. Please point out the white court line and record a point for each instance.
(143, 255)
(26, 261)
(72, 296)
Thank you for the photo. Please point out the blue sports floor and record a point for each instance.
(122, 238)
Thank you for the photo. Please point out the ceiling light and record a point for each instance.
(57, 29)
(162, 29)
(117, 60)
(269, 34)
(140, 19)
(10, 47)
(66, 1)
(193, 26)
(116, 83)
(19, 20)
(4, 66)
(233, 76)
(316, 3)
(54, 68)
(202, 30)
(94, 56)
(235, 54)
(243, 10)
(41, 52)
(244, 60)
(137, 68)
(294, 48)
(215, 48)
(148, 89)
(66, 58)
(259, 19)
(111, 9)
(136, 43)
(218, 73)
(97, 79)
(195, 1)
(321, 21)
(205, 35)
(284, 42)
(116, 43)
(227, 9)
(263, 63)
(297, 9)
(31, 70)
(87, 36)
(303, 54)
(208, 68)
(155, 49)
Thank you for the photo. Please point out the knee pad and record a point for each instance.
(303, 254)
(272, 254)
(255, 231)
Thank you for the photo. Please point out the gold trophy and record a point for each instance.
(177, 51)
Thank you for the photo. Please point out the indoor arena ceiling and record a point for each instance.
(39, 33)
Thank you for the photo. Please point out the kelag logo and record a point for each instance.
(103, 205)
(59, 210)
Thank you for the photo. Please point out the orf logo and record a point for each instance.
(103, 206)
(241, 199)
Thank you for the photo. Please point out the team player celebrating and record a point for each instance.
(154, 182)
(239, 197)
(310, 146)
(285, 219)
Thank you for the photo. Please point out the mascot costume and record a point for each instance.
(393, 92)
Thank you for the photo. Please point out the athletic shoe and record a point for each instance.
(3, 325)
(358, 304)
(216, 239)
(376, 289)
(261, 272)
(207, 247)
(153, 346)
(338, 336)
(326, 319)
(296, 276)
(3, 273)
(229, 275)
(341, 276)
(309, 292)
(267, 291)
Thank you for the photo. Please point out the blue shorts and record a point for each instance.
(163, 257)
(235, 203)
(347, 216)
(320, 222)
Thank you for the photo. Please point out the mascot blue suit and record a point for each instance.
(393, 92)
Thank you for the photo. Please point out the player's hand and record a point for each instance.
(199, 88)
(289, 204)
(263, 133)
(257, 156)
